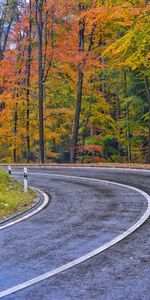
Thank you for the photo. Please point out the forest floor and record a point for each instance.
(12, 197)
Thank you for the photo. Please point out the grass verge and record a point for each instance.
(12, 197)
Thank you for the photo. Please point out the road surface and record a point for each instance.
(82, 215)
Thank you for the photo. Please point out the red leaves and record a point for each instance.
(89, 149)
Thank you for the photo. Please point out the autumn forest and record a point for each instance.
(75, 81)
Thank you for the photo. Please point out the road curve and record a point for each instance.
(81, 217)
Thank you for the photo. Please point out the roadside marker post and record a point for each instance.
(25, 180)
(9, 170)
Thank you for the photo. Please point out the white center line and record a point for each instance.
(28, 215)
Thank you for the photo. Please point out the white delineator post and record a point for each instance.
(25, 180)
(9, 170)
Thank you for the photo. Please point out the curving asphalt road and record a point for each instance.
(82, 216)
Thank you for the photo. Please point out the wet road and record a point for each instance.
(81, 216)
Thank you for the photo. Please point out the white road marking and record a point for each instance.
(90, 254)
(28, 215)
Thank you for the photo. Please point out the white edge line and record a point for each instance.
(90, 254)
(28, 215)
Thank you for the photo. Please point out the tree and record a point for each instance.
(44, 15)
(133, 55)
(9, 12)
(82, 25)
(29, 54)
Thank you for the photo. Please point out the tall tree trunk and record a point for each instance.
(117, 103)
(148, 99)
(15, 133)
(5, 29)
(16, 118)
(79, 90)
(28, 82)
(8, 8)
(128, 133)
(127, 120)
(87, 120)
(41, 121)
(39, 23)
(77, 115)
